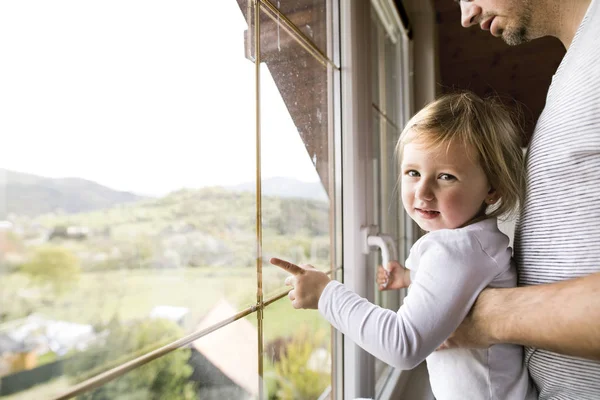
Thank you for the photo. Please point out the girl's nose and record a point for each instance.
(424, 192)
(469, 13)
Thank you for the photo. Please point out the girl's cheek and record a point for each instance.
(455, 201)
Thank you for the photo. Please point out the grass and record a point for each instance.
(47, 358)
(132, 294)
(47, 390)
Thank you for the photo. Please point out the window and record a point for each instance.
(391, 108)
(138, 163)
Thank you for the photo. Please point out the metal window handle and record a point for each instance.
(384, 242)
(389, 240)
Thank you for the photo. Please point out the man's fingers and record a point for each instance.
(288, 266)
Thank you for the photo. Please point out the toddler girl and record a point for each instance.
(461, 168)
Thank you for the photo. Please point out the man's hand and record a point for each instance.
(394, 277)
(473, 332)
(562, 317)
(307, 283)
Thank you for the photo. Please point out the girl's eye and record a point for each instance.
(447, 177)
(412, 173)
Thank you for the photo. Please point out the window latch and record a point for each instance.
(384, 242)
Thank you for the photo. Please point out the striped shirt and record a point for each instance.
(558, 234)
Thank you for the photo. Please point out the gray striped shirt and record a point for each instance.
(558, 234)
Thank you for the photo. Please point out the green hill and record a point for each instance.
(199, 227)
(31, 195)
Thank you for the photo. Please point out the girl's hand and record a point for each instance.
(395, 277)
(307, 283)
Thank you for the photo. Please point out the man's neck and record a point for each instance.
(564, 17)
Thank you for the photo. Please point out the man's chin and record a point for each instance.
(515, 37)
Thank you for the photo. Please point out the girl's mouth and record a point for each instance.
(427, 214)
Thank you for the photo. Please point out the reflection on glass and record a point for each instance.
(297, 346)
(310, 17)
(295, 200)
(127, 197)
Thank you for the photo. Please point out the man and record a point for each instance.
(556, 311)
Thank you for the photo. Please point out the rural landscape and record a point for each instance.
(93, 277)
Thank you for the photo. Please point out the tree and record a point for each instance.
(295, 378)
(164, 378)
(54, 266)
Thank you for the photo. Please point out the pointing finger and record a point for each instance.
(288, 266)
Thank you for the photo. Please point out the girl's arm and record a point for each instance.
(449, 278)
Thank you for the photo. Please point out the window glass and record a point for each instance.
(221, 365)
(296, 159)
(226, 365)
(387, 125)
(127, 195)
(297, 349)
(310, 17)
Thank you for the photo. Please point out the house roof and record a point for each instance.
(9, 345)
(233, 348)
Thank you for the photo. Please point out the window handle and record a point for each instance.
(391, 243)
(383, 241)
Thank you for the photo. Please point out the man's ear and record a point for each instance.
(492, 196)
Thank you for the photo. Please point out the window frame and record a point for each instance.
(356, 99)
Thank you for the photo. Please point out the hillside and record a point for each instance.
(286, 187)
(31, 195)
(193, 227)
(196, 227)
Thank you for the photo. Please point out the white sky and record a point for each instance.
(146, 96)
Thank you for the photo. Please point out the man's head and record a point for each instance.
(513, 20)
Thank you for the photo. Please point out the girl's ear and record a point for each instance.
(492, 196)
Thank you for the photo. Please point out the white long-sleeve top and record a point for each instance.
(448, 270)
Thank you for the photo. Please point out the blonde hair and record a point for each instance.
(488, 129)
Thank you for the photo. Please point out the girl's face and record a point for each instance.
(443, 188)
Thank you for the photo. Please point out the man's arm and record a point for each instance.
(562, 317)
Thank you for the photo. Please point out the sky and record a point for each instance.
(143, 96)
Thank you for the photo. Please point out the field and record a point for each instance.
(131, 294)
(134, 257)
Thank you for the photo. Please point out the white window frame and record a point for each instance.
(356, 106)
